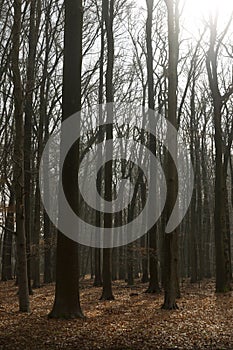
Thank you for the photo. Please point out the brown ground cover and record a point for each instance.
(204, 320)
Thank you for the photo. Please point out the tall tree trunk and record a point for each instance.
(33, 36)
(98, 276)
(48, 236)
(35, 234)
(206, 207)
(19, 163)
(44, 120)
(144, 239)
(67, 304)
(107, 252)
(193, 227)
(36, 238)
(153, 257)
(223, 277)
(171, 239)
(221, 231)
(48, 268)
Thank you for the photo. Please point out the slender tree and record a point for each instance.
(171, 239)
(222, 148)
(30, 84)
(98, 275)
(19, 163)
(107, 253)
(153, 254)
(8, 240)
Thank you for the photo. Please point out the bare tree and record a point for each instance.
(67, 304)
(19, 163)
(107, 254)
(171, 239)
(153, 254)
(222, 150)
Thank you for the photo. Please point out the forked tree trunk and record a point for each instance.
(222, 234)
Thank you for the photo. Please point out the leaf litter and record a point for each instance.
(134, 320)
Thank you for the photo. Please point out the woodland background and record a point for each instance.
(58, 57)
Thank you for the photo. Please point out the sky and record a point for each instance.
(195, 12)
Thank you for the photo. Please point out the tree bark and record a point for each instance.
(48, 239)
(170, 242)
(33, 36)
(221, 231)
(7, 241)
(67, 304)
(107, 252)
(153, 257)
(19, 163)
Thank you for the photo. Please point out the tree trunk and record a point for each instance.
(171, 239)
(221, 231)
(33, 36)
(67, 304)
(153, 260)
(19, 163)
(193, 234)
(98, 277)
(145, 277)
(7, 241)
(130, 269)
(107, 252)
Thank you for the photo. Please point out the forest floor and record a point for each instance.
(204, 320)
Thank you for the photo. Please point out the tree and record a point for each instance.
(153, 254)
(222, 150)
(19, 163)
(33, 37)
(107, 253)
(67, 304)
(8, 240)
(171, 239)
(98, 276)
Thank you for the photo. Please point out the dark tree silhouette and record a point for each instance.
(66, 304)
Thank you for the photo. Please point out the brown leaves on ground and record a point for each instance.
(203, 321)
